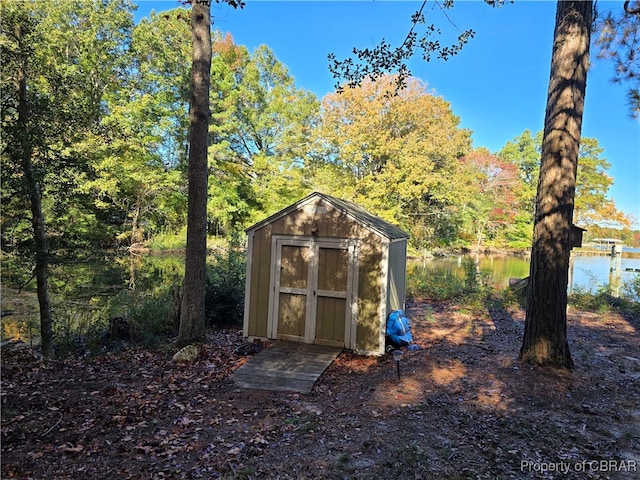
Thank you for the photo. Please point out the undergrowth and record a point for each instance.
(625, 298)
(470, 291)
(146, 316)
(151, 317)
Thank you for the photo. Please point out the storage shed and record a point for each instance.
(324, 271)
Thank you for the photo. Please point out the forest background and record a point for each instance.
(110, 136)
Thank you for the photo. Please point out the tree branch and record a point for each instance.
(633, 11)
(373, 63)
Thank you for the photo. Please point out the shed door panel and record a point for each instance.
(312, 290)
(292, 312)
(331, 293)
(293, 291)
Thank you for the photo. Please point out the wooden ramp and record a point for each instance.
(288, 366)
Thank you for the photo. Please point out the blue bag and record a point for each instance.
(399, 329)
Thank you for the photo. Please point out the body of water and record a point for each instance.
(586, 272)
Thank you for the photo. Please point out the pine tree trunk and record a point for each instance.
(545, 336)
(192, 316)
(35, 200)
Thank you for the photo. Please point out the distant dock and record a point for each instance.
(606, 247)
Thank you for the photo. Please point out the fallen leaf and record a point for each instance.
(70, 448)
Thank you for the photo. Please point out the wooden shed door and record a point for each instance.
(331, 295)
(313, 291)
(292, 291)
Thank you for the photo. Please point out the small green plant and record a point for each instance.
(244, 473)
(631, 289)
(303, 424)
(343, 460)
(477, 289)
(429, 314)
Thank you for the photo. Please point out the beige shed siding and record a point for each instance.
(247, 289)
(369, 288)
(397, 276)
(318, 218)
(260, 279)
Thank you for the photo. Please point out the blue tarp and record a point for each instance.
(399, 329)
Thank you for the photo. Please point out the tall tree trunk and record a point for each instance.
(35, 199)
(192, 316)
(545, 335)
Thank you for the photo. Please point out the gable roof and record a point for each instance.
(350, 209)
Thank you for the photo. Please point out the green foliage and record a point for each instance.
(153, 317)
(523, 152)
(77, 331)
(134, 175)
(519, 234)
(631, 289)
(616, 39)
(109, 127)
(157, 92)
(424, 286)
(139, 318)
(471, 290)
(262, 125)
(627, 299)
(73, 56)
(98, 303)
(477, 289)
(592, 204)
(224, 299)
(398, 157)
(169, 240)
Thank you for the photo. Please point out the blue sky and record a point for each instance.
(497, 85)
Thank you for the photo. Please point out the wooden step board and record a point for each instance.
(286, 366)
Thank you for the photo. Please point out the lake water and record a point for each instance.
(586, 272)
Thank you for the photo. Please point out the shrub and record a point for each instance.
(471, 290)
(77, 331)
(631, 289)
(170, 240)
(425, 285)
(224, 299)
(604, 299)
(153, 316)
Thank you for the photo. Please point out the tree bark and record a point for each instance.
(25, 147)
(545, 336)
(192, 316)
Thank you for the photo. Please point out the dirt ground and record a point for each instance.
(463, 408)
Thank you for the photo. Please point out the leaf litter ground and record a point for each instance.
(464, 407)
